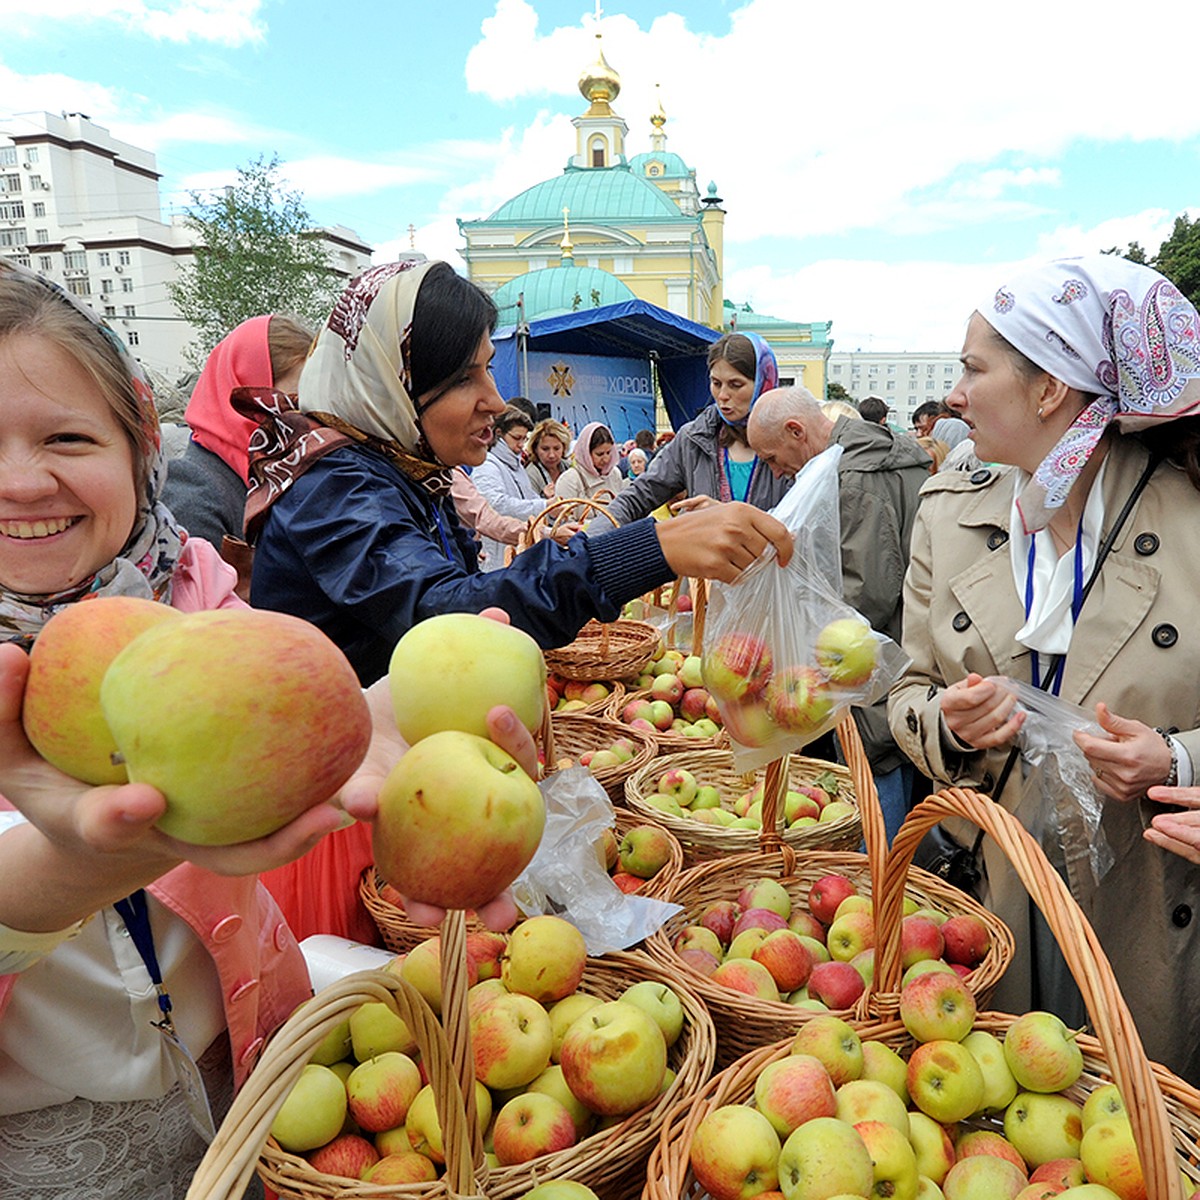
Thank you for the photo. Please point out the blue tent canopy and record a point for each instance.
(630, 330)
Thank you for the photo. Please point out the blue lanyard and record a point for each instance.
(1055, 683)
(134, 913)
(437, 520)
(729, 476)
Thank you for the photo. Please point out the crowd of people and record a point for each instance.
(368, 475)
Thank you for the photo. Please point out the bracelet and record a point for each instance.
(1172, 779)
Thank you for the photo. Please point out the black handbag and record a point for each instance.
(939, 852)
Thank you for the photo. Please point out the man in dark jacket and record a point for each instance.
(879, 478)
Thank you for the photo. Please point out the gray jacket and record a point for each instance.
(880, 476)
(691, 463)
(502, 482)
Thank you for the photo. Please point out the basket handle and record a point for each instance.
(558, 513)
(228, 1166)
(1080, 946)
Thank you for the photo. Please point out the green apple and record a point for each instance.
(707, 796)
(644, 850)
(869, 1100)
(999, 1085)
(1042, 1052)
(932, 1144)
(511, 1038)
(823, 1157)
(793, 1090)
(1110, 1157)
(666, 804)
(1103, 1104)
(1044, 1127)
(735, 1153)
(983, 1177)
(848, 651)
(882, 1064)
(552, 1082)
(458, 821)
(242, 718)
(334, 1046)
(422, 967)
(893, 1159)
(449, 671)
(660, 1004)
(376, 1028)
(944, 1081)
(560, 1189)
(545, 959)
(60, 710)
(564, 1014)
(837, 810)
(313, 1112)
(691, 674)
(614, 1058)
(835, 1043)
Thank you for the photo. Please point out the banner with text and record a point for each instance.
(581, 387)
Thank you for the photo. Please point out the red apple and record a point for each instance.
(759, 918)
(937, 1006)
(966, 939)
(920, 939)
(721, 916)
(348, 1155)
(627, 883)
(826, 894)
(799, 700)
(836, 984)
(746, 976)
(785, 955)
(530, 1125)
(737, 665)
(699, 959)
(694, 704)
(793, 1090)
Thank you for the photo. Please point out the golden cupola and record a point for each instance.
(599, 84)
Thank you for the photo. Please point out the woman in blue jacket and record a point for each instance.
(349, 499)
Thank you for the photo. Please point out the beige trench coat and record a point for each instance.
(1136, 646)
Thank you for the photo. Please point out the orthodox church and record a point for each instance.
(614, 227)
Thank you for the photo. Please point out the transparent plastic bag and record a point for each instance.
(784, 654)
(1059, 805)
(566, 878)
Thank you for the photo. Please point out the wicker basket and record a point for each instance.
(1163, 1109)
(598, 708)
(669, 742)
(400, 934)
(616, 650)
(552, 518)
(702, 843)
(575, 733)
(743, 1022)
(612, 1162)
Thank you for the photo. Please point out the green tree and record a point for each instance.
(835, 391)
(1178, 258)
(255, 253)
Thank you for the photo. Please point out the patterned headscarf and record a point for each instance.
(242, 358)
(766, 375)
(1110, 328)
(146, 564)
(355, 387)
(583, 453)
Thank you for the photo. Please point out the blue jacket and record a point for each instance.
(358, 549)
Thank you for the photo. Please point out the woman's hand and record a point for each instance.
(1178, 832)
(721, 541)
(981, 713)
(1128, 763)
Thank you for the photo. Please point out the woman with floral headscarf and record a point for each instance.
(709, 459)
(349, 495)
(1081, 385)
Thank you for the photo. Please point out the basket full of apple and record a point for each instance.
(934, 1098)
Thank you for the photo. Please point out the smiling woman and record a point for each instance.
(350, 496)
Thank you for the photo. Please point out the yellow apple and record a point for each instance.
(614, 1058)
(313, 1112)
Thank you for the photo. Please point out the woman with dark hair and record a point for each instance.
(349, 500)
(502, 481)
(1070, 563)
(710, 458)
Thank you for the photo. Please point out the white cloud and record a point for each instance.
(51, 93)
(226, 22)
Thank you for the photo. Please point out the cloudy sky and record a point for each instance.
(883, 165)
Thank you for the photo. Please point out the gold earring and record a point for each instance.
(1041, 415)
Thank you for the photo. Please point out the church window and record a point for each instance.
(598, 147)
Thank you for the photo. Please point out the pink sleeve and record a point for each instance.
(203, 579)
(478, 514)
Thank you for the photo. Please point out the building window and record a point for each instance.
(123, 257)
(130, 311)
(891, 385)
(12, 237)
(10, 183)
(929, 385)
(22, 260)
(79, 287)
(35, 183)
(127, 285)
(891, 368)
(598, 147)
(39, 209)
(105, 258)
(106, 287)
(8, 156)
(873, 369)
(912, 369)
(109, 311)
(13, 211)
(133, 337)
(45, 262)
(837, 368)
(41, 236)
(75, 260)
(948, 369)
(31, 154)
(929, 369)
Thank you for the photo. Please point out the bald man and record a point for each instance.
(879, 478)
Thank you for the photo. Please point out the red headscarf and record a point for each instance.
(241, 359)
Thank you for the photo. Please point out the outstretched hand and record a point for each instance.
(719, 541)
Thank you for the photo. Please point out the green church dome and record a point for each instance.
(672, 166)
(592, 194)
(552, 291)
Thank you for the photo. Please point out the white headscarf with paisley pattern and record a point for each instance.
(1112, 329)
(146, 563)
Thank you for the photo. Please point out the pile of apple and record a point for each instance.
(638, 856)
(824, 957)
(675, 699)
(966, 1117)
(678, 793)
(552, 1063)
(574, 695)
(618, 752)
(761, 700)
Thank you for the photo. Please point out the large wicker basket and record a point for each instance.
(702, 843)
(400, 934)
(613, 650)
(612, 1162)
(576, 733)
(1163, 1109)
(743, 1022)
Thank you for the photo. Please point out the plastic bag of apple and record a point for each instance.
(576, 1062)
(947, 1102)
(784, 655)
